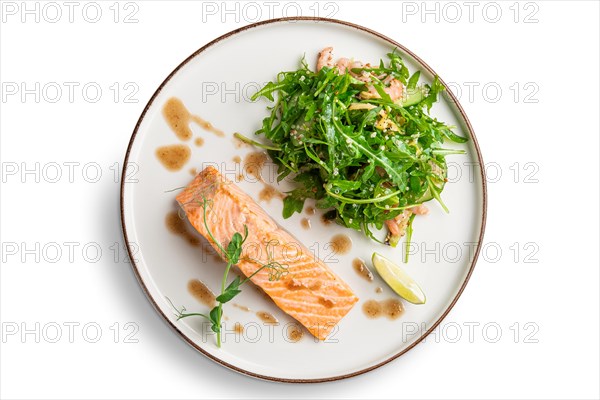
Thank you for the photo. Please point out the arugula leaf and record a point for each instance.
(293, 202)
(344, 185)
(434, 89)
(414, 79)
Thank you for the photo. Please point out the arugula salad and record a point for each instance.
(359, 139)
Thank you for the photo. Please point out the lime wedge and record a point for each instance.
(398, 280)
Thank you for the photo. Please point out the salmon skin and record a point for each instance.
(310, 292)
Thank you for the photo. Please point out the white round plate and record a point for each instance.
(216, 82)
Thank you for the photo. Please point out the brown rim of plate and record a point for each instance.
(471, 134)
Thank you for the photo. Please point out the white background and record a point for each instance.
(541, 291)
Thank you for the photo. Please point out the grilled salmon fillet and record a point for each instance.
(310, 292)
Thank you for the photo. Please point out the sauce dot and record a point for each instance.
(360, 267)
(269, 192)
(201, 292)
(341, 244)
(393, 308)
(178, 226)
(305, 223)
(294, 333)
(267, 318)
(254, 163)
(238, 328)
(173, 157)
(390, 308)
(372, 309)
(243, 308)
(178, 118)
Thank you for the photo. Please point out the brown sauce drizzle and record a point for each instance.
(361, 269)
(207, 126)
(237, 159)
(379, 290)
(341, 244)
(243, 308)
(294, 333)
(193, 171)
(372, 309)
(267, 318)
(305, 223)
(173, 157)
(178, 118)
(254, 163)
(238, 328)
(199, 142)
(269, 192)
(217, 258)
(310, 210)
(201, 292)
(391, 308)
(179, 227)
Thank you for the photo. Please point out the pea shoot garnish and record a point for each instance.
(231, 254)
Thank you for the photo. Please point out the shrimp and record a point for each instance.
(325, 58)
(362, 76)
(394, 90)
(397, 226)
(421, 209)
(394, 87)
(343, 65)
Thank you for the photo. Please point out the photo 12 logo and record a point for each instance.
(267, 332)
(68, 92)
(253, 11)
(66, 172)
(473, 332)
(53, 12)
(470, 11)
(71, 252)
(494, 92)
(68, 332)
